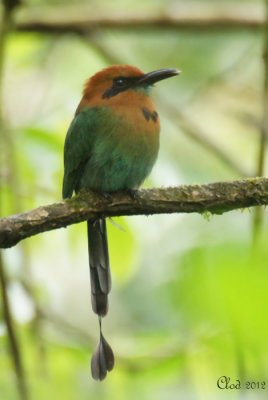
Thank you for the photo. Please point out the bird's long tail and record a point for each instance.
(100, 278)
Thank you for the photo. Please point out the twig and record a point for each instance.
(215, 198)
(43, 314)
(228, 72)
(197, 134)
(13, 341)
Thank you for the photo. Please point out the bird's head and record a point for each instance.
(113, 81)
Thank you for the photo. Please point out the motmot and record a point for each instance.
(111, 145)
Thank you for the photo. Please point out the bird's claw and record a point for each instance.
(107, 196)
(133, 193)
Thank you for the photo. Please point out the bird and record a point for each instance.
(111, 145)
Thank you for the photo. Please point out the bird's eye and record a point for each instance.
(120, 81)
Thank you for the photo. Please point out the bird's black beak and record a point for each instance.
(152, 77)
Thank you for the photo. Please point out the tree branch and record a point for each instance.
(215, 198)
(62, 20)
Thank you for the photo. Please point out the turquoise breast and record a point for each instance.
(120, 157)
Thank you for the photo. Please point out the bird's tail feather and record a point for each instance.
(100, 275)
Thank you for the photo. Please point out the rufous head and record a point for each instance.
(116, 79)
(120, 85)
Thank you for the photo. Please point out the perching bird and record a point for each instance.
(111, 145)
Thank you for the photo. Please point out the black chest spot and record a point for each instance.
(149, 115)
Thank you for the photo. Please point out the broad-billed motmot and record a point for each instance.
(111, 145)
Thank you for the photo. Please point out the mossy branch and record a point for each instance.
(216, 198)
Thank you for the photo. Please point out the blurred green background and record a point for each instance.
(189, 298)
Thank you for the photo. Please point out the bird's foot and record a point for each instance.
(133, 194)
(107, 196)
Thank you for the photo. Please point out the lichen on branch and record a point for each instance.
(215, 198)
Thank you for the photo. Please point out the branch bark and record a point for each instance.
(59, 20)
(215, 198)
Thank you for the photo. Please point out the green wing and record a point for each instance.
(78, 147)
